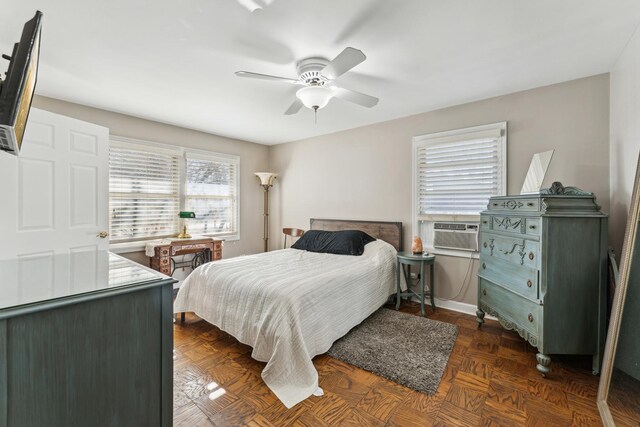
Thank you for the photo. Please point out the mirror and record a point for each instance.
(619, 390)
(537, 171)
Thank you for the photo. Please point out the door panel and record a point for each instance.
(36, 194)
(55, 193)
(83, 196)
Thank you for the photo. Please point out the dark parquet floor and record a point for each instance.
(490, 380)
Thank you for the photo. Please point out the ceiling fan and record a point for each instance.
(318, 76)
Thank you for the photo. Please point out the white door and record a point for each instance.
(55, 194)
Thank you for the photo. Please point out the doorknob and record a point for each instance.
(102, 234)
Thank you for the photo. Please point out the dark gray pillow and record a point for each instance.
(344, 242)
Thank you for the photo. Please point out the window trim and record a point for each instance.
(440, 137)
(125, 142)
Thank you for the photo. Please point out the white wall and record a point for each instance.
(365, 173)
(253, 157)
(625, 145)
(625, 136)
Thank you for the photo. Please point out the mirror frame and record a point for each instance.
(618, 302)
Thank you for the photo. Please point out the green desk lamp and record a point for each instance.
(185, 215)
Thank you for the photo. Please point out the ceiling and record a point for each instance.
(174, 61)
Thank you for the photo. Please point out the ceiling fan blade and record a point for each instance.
(251, 75)
(342, 63)
(355, 97)
(294, 108)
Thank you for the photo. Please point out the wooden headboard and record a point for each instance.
(390, 232)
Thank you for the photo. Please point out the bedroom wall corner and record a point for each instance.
(365, 173)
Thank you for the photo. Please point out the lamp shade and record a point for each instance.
(266, 178)
(314, 97)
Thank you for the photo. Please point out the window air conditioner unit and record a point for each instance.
(455, 235)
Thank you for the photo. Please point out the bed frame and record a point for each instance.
(390, 232)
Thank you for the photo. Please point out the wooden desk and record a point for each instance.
(206, 249)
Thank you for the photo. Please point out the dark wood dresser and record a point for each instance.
(86, 339)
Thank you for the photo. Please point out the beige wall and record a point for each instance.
(253, 157)
(365, 173)
(625, 136)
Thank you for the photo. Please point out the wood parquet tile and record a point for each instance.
(490, 380)
(380, 404)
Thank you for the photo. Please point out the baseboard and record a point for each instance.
(461, 307)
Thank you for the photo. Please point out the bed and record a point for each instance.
(291, 305)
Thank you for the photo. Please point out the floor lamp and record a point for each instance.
(266, 181)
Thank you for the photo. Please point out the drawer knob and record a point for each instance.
(484, 266)
(531, 255)
(484, 244)
(530, 204)
(529, 283)
(532, 227)
(530, 317)
(485, 221)
(484, 292)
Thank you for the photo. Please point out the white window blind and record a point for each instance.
(211, 191)
(144, 192)
(457, 172)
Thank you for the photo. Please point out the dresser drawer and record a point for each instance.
(532, 226)
(518, 250)
(517, 278)
(512, 224)
(515, 204)
(520, 311)
(485, 222)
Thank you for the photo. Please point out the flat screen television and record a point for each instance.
(16, 90)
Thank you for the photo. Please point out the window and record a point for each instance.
(455, 174)
(211, 192)
(144, 196)
(150, 183)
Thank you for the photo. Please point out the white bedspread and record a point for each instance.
(290, 305)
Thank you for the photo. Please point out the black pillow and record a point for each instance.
(344, 242)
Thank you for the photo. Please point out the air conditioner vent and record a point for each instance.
(455, 235)
(4, 140)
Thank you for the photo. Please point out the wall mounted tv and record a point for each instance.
(16, 90)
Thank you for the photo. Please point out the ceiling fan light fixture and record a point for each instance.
(314, 97)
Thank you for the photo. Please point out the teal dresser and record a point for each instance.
(543, 271)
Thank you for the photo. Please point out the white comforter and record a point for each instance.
(290, 305)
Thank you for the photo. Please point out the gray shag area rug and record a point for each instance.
(406, 349)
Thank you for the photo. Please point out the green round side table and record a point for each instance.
(408, 259)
